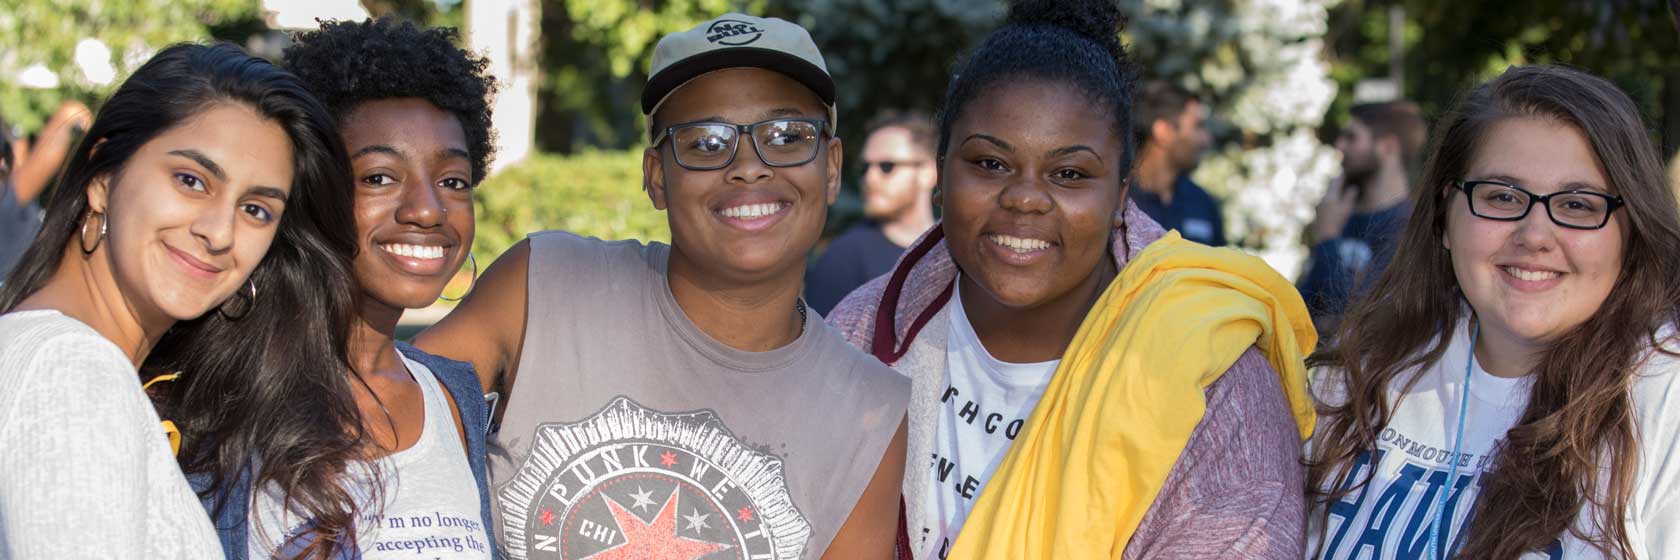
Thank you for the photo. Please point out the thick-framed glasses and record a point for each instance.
(1577, 209)
(709, 145)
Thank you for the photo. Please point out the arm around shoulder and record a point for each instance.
(487, 329)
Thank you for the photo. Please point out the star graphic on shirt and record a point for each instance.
(745, 514)
(547, 517)
(654, 541)
(667, 458)
(643, 499)
(696, 521)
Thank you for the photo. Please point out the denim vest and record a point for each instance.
(230, 509)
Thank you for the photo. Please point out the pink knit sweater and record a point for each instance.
(1236, 491)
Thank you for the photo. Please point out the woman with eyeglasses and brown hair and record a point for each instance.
(1502, 392)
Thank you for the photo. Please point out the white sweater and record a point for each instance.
(1390, 518)
(85, 468)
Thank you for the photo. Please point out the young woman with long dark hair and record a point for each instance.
(413, 111)
(1083, 383)
(1506, 391)
(194, 209)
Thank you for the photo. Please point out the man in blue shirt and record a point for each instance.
(1170, 127)
(898, 181)
(1365, 209)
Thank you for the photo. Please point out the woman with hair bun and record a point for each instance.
(1083, 383)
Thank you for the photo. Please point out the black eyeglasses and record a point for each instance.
(888, 166)
(707, 145)
(1577, 209)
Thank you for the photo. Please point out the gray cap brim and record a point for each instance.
(670, 78)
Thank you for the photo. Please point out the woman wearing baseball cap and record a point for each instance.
(681, 398)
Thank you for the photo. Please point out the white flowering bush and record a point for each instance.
(1260, 65)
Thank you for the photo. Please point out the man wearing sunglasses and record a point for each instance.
(898, 181)
(680, 401)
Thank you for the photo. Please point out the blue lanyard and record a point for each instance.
(1458, 445)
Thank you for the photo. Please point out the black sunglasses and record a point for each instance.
(887, 166)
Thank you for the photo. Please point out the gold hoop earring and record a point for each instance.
(88, 249)
(250, 303)
(472, 283)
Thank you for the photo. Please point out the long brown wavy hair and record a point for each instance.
(275, 376)
(1579, 414)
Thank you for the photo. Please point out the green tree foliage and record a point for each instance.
(1450, 46)
(47, 32)
(593, 193)
(891, 54)
(595, 57)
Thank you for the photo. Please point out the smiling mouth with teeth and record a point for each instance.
(1018, 244)
(751, 211)
(413, 251)
(1530, 275)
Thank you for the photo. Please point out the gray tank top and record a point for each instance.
(630, 433)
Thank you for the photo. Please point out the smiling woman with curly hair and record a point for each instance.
(413, 111)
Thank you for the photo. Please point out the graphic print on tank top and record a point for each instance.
(634, 483)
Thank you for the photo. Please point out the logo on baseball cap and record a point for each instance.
(737, 41)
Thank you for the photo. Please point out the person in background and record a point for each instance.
(202, 202)
(1510, 390)
(29, 169)
(413, 111)
(680, 400)
(1170, 131)
(1364, 210)
(898, 180)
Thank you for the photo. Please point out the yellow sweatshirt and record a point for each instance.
(1129, 391)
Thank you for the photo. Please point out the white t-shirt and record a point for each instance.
(1391, 517)
(430, 505)
(85, 468)
(982, 408)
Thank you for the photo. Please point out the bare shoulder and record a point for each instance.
(486, 329)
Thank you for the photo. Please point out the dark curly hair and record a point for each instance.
(347, 63)
(1076, 42)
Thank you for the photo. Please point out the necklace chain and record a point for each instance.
(800, 305)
